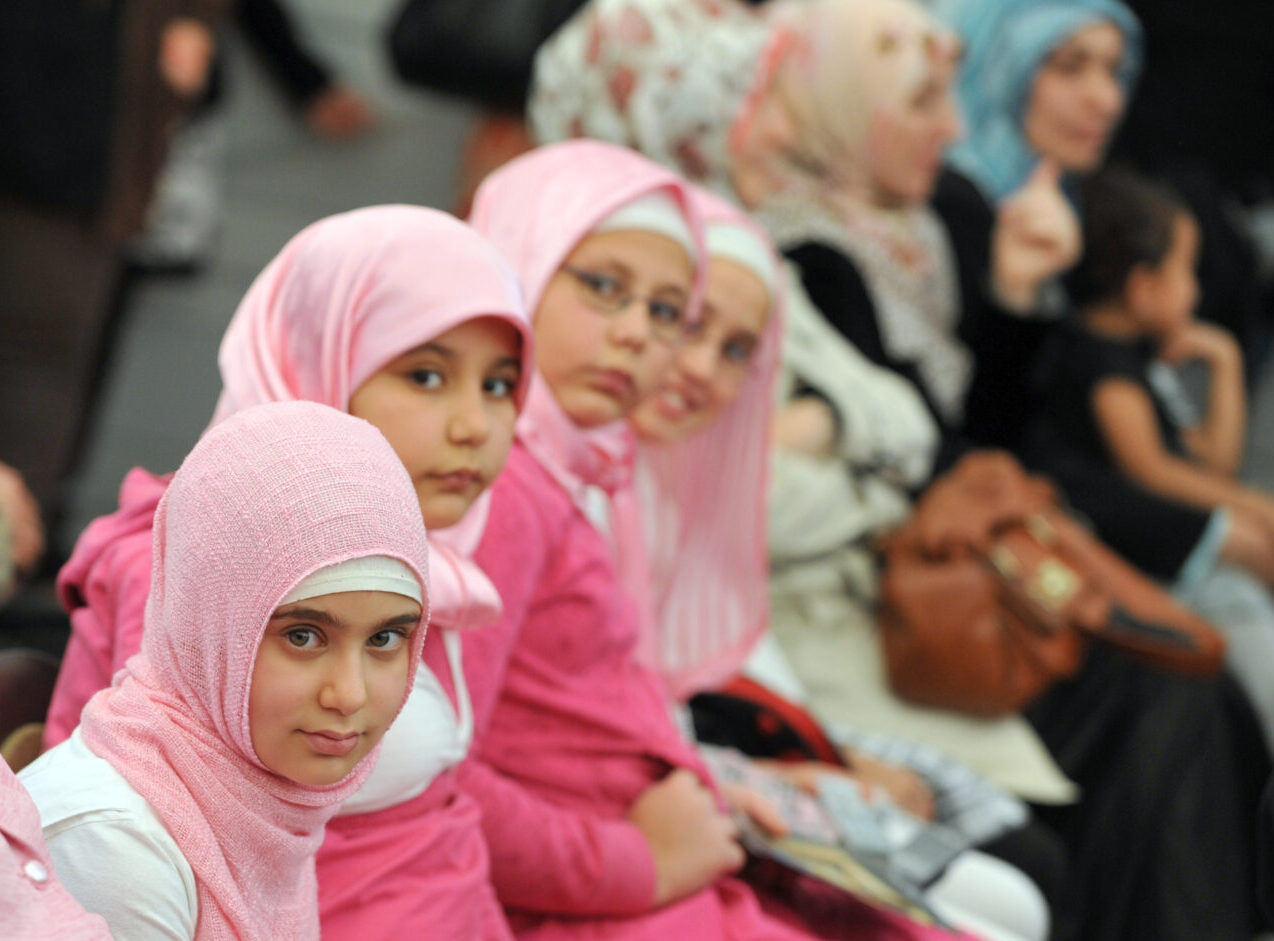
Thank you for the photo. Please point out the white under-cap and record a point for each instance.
(369, 573)
(656, 212)
(744, 247)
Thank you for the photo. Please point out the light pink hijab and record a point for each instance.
(344, 297)
(703, 509)
(535, 209)
(265, 498)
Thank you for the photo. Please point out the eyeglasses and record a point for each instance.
(605, 294)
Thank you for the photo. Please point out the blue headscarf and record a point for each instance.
(1006, 42)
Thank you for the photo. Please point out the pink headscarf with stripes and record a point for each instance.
(703, 511)
(265, 498)
(535, 209)
(344, 297)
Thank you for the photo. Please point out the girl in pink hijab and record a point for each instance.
(406, 317)
(705, 530)
(600, 817)
(708, 569)
(283, 629)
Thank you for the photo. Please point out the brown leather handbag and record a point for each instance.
(991, 593)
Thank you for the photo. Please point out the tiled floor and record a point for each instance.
(163, 381)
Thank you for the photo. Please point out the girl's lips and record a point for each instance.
(613, 382)
(673, 405)
(456, 481)
(332, 743)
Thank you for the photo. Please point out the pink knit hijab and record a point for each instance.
(344, 297)
(264, 499)
(535, 209)
(703, 516)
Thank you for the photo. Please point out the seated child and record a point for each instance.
(697, 552)
(601, 818)
(1115, 401)
(283, 630)
(406, 317)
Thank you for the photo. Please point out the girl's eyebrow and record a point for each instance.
(613, 264)
(308, 614)
(323, 617)
(507, 362)
(433, 346)
(401, 620)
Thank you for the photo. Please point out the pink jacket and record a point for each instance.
(104, 586)
(570, 730)
(342, 298)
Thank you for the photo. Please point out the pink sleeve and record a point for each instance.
(105, 631)
(548, 859)
(543, 857)
(128, 601)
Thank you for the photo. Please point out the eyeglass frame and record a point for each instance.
(601, 305)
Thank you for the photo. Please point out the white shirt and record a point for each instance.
(427, 738)
(109, 847)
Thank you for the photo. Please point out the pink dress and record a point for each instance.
(571, 729)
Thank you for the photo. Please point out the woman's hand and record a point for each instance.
(806, 425)
(1200, 341)
(339, 113)
(186, 47)
(902, 785)
(693, 842)
(905, 788)
(756, 806)
(1037, 237)
(22, 514)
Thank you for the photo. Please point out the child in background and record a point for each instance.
(601, 819)
(283, 630)
(708, 563)
(405, 317)
(1116, 401)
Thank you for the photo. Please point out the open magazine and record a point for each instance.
(866, 847)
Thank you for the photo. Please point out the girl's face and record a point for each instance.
(906, 145)
(713, 364)
(1163, 298)
(329, 677)
(447, 409)
(609, 322)
(1077, 99)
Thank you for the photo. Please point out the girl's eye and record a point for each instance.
(498, 387)
(665, 312)
(1068, 65)
(387, 640)
(603, 285)
(426, 378)
(738, 351)
(302, 638)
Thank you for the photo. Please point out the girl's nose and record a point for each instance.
(630, 327)
(344, 687)
(469, 422)
(1105, 93)
(697, 360)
